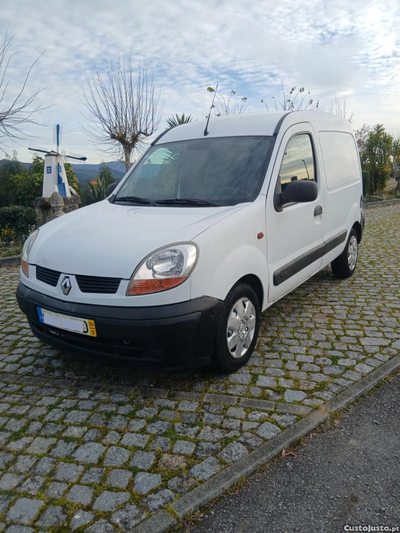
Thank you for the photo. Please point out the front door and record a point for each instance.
(294, 231)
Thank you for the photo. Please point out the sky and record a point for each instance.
(336, 49)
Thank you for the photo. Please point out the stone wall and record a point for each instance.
(49, 208)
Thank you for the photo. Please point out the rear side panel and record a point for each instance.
(343, 190)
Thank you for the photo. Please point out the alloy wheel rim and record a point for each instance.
(240, 328)
(352, 252)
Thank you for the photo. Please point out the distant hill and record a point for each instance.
(86, 172)
(3, 161)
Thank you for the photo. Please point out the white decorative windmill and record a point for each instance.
(54, 176)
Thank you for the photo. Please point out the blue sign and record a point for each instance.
(48, 170)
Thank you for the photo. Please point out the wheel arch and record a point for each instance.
(358, 229)
(256, 284)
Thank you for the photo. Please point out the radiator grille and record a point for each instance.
(98, 284)
(48, 276)
(88, 284)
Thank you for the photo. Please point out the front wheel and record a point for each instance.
(345, 265)
(238, 327)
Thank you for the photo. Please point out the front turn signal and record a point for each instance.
(148, 286)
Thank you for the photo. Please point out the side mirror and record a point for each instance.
(299, 191)
(111, 187)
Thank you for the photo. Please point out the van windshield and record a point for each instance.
(200, 172)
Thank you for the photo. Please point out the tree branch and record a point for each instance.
(19, 111)
(122, 106)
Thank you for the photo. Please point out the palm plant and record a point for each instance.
(176, 120)
(97, 188)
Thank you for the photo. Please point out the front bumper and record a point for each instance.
(178, 335)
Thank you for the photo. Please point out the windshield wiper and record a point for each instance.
(134, 200)
(185, 201)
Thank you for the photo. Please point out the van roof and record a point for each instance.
(266, 123)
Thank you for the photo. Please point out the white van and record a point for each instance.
(209, 228)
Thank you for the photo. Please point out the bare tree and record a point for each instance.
(339, 108)
(293, 99)
(123, 107)
(18, 110)
(297, 99)
(230, 105)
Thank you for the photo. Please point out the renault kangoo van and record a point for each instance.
(209, 228)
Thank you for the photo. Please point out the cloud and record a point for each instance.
(334, 48)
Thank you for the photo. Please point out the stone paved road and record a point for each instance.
(94, 448)
(349, 474)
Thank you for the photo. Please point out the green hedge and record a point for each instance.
(16, 222)
(366, 178)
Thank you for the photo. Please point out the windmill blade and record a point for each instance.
(43, 151)
(77, 158)
(37, 150)
(57, 134)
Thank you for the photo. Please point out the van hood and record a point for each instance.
(110, 240)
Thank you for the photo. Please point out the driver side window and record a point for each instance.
(298, 161)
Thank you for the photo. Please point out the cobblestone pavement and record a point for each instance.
(94, 448)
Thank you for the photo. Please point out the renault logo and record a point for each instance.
(66, 285)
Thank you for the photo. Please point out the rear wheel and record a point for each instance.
(345, 265)
(238, 327)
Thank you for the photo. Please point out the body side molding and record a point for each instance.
(304, 260)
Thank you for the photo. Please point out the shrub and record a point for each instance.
(97, 189)
(377, 158)
(21, 187)
(9, 250)
(7, 235)
(8, 193)
(366, 179)
(95, 192)
(16, 222)
(27, 187)
(72, 177)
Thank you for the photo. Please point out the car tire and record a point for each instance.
(344, 266)
(237, 330)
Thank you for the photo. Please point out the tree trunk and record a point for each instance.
(127, 158)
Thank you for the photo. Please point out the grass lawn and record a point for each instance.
(10, 250)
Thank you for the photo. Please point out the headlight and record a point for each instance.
(163, 269)
(26, 251)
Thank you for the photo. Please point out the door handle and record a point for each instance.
(318, 210)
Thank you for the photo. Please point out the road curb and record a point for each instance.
(157, 523)
(211, 489)
(10, 261)
(228, 477)
(381, 203)
(348, 396)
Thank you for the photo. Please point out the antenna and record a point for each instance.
(209, 114)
